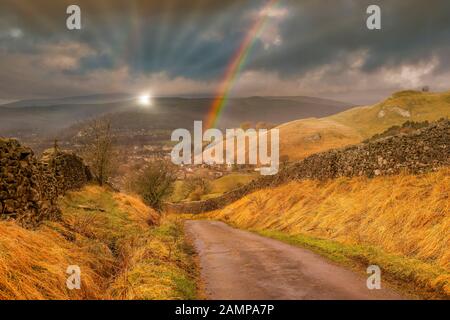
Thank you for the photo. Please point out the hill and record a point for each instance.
(302, 138)
(45, 117)
(91, 99)
(418, 152)
(384, 203)
(37, 122)
(400, 107)
(19, 122)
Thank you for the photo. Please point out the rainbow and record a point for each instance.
(235, 67)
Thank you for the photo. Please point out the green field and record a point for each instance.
(218, 186)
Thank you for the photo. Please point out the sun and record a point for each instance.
(145, 99)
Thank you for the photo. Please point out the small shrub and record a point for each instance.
(156, 183)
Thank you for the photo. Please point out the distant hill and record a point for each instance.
(278, 110)
(41, 117)
(90, 99)
(43, 120)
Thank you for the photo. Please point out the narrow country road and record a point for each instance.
(237, 264)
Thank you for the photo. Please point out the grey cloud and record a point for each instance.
(195, 40)
(315, 34)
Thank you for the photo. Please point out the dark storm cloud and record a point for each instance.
(322, 31)
(196, 39)
(149, 36)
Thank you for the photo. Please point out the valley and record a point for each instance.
(328, 220)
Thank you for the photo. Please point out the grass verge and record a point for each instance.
(124, 249)
(162, 269)
(411, 276)
(399, 223)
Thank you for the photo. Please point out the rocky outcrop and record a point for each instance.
(29, 188)
(425, 150)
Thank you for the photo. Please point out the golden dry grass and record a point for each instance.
(116, 235)
(403, 216)
(33, 265)
(136, 209)
(396, 110)
(161, 268)
(218, 186)
(302, 138)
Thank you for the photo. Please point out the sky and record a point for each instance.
(183, 48)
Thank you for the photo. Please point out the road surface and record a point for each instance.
(240, 265)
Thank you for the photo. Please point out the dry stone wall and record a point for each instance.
(68, 169)
(29, 188)
(425, 150)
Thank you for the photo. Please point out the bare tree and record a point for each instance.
(99, 149)
(156, 183)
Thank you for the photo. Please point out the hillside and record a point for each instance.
(77, 100)
(421, 151)
(45, 120)
(384, 202)
(397, 109)
(301, 138)
(53, 217)
(123, 250)
(399, 223)
(51, 116)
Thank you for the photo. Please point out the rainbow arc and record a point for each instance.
(236, 66)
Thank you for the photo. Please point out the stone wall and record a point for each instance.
(29, 188)
(425, 150)
(69, 170)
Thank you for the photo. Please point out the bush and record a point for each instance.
(156, 183)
